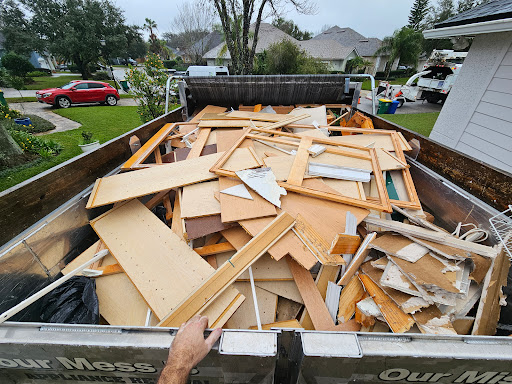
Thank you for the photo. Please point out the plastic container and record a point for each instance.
(23, 121)
(2, 98)
(393, 106)
(383, 106)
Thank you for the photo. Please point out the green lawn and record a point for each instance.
(399, 81)
(104, 122)
(55, 81)
(417, 122)
(20, 99)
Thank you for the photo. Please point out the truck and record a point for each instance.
(45, 224)
(207, 70)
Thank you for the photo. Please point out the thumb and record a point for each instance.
(214, 336)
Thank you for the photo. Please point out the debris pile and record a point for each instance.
(262, 220)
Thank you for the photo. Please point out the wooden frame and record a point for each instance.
(294, 185)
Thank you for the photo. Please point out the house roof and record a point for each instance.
(492, 17)
(347, 37)
(326, 49)
(493, 10)
(267, 35)
(208, 42)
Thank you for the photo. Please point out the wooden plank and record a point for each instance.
(245, 316)
(281, 166)
(199, 200)
(203, 295)
(346, 188)
(300, 162)
(398, 321)
(234, 208)
(198, 146)
(124, 186)
(286, 289)
(264, 269)
(286, 324)
(315, 243)
(437, 237)
(226, 304)
(208, 109)
(242, 158)
(388, 162)
(358, 259)
(345, 244)
(214, 249)
(399, 246)
(132, 234)
(177, 225)
(273, 117)
(488, 312)
(228, 312)
(350, 295)
(230, 123)
(313, 301)
(202, 226)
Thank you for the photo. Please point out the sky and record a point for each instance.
(371, 18)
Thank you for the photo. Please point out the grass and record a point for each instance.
(105, 123)
(421, 123)
(38, 124)
(21, 99)
(50, 82)
(398, 81)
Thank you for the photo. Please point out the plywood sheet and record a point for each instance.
(235, 208)
(161, 265)
(264, 269)
(342, 161)
(143, 182)
(245, 316)
(373, 140)
(242, 158)
(286, 289)
(281, 166)
(199, 200)
(201, 226)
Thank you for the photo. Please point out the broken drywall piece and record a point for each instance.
(369, 308)
(337, 172)
(239, 191)
(263, 182)
(332, 299)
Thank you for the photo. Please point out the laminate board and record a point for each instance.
(199, 200)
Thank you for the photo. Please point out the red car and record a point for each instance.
(79, 91)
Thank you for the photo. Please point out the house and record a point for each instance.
(366, 47)
(331, 52)
(477, 115)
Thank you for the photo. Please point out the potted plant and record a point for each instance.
(88, 143)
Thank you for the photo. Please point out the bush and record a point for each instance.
(38, 125)
(39, 72)
(101, 75)
(33, 144)
(4, 78)
(169, 64)
(16, 65)
(6, 113)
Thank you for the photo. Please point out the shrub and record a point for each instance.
(169, 64)
(86, 138)
(16, 65)
(38, 125)
(101, 75)
(7, 113)
(39, 73)
(33, 144)
(4, 78)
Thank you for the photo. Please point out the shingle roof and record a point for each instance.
(208, 42)
(267, 35)
(347, 37)
(326, 49)
(494, 10)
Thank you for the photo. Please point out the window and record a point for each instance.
(95, 85)
(82, 86)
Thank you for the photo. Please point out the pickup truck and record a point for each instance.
(45, 224)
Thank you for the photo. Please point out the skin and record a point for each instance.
(187, 350)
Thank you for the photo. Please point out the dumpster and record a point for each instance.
(45, 225)
(124, 85)
(384, 105)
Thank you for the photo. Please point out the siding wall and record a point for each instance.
(477, 116)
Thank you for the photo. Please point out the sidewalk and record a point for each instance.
(45, 111)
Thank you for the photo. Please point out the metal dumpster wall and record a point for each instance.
(24, 204)
(48, 353)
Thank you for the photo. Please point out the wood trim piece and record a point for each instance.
(213, 249)
(210, 289)
(320, 317)
(437, 237)
(345, 244)
(358, 259)
(199, 144)
(300, 163)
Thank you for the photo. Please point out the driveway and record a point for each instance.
(416, 107)
(61, 123)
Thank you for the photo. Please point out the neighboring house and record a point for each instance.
(330, 52)
(477, 115)
(366, 47)
(202, 46)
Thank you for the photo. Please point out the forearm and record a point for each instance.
(173, 375)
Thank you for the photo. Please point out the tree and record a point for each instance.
(148, 86)
(419, 11)
(16, 65)
(236, 17)
(405, 46)
(357, 63)
(73, 30)
(285, 58)
(193, 22)
(292, 29)
(15, 27)
(136, 46)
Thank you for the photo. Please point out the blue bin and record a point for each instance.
(392, 108)
(23, 121)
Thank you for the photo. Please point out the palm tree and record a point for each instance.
(150, 25)
(405, 46)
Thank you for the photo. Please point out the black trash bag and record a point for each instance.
(74, 302)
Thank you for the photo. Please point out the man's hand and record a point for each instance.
(187, 350)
